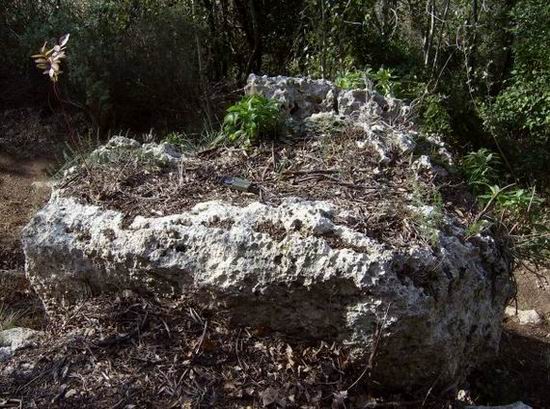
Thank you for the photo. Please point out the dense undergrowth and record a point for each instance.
(475, 73)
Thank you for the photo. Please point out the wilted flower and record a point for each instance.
(50, 60)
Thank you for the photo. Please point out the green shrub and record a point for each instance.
(519, 117)
(433, 115)
(383, 80)
(520, 211)
(250, 119)
(515, 200)
(130, 62)
(351, 79)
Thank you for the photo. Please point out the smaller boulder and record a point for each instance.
(13, 339)
(524, 316)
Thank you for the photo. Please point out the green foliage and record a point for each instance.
(520, 211)
(519, 116)
(193, 142)
(129, 61)
(480, 169)
(514, 201)
(483, 68)
(250, 119)
(434, 117)
(179, 139)
(383, 80)
(351, 79)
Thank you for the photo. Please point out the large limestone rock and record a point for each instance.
(276, 267)
(299, 267)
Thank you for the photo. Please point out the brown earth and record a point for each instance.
(522, 369)
(24, 188)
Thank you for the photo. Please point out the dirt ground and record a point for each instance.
(24, 187)
(520, 372)
(522, 369)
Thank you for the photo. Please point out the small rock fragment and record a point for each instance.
(524, 316)
(14, 339)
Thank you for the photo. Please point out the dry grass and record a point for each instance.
(330, 168)
(8, 319)
(19, 305)
(136, 353)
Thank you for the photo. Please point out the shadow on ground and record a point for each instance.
(521, 372)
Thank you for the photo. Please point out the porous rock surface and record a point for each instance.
(297, 268)
(14, 339)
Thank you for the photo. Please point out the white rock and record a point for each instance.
(120, 146)
(311, 105)
(424, 165)
(524, 316)
(404, 142)
(17, 337)
(13, 339)
(443, 313)
(307, 273)
(299, 97)
(324, 124)
(163, 152)
(5, 353)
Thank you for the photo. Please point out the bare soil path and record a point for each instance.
(24, 188)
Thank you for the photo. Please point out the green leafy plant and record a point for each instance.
(480, 169)
(383, 80)
(351, 79)
(519, 211)
(514, 201)
(177, 139)
(250, 119)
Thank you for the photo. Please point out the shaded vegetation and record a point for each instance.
(475, 72)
